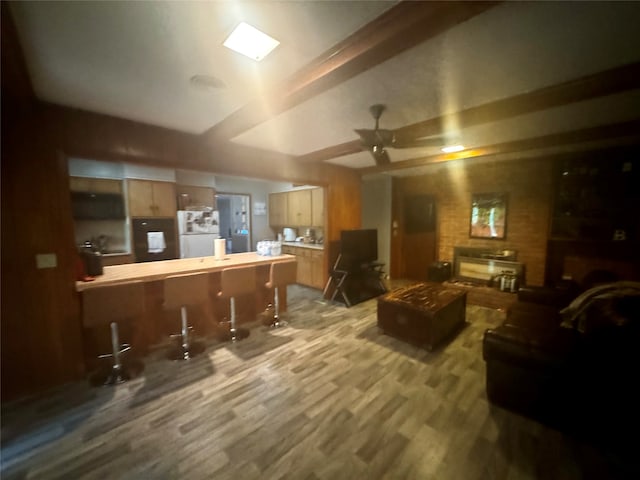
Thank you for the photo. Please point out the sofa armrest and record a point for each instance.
(531, 349)
(559, 296)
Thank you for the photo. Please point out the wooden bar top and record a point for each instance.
(150, 271)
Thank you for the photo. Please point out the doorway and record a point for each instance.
(235, 221)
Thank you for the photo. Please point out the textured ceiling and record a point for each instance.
(134, 60)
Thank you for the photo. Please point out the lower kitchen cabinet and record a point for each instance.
(310, 271)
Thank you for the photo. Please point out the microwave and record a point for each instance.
(97, 206)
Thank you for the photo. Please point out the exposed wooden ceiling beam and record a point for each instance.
(403, 26)
(624, 131)
(608, 82)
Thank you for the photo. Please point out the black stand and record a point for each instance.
(355, 282)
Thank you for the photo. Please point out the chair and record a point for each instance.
(281, 274)
(337, 276)
(182, 291)
(108, 305)
(233, 283)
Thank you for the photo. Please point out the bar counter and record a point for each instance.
(151, 271)
(157, 323)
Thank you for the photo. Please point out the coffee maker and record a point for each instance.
(309, 236)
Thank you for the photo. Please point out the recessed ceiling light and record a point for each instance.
(251, 42)
(453, 148)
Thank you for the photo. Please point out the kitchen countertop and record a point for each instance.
(314, 246)
(151, 271)
(115, 254)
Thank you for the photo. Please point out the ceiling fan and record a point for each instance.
(378, 139)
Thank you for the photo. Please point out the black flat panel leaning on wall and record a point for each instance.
(419, 214)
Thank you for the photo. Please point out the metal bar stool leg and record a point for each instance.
(184, 351)
(234, 282)
(232, 322)
(117, 374)
(275, 320)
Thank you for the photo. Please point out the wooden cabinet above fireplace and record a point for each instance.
(597, 197)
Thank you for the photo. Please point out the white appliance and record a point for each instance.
(197, 230)
(289, 235)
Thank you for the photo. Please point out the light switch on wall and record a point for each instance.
(46, 260)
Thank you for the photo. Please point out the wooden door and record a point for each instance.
(299, 208)
(164, 199)
(303, 256)
(140, 196)
(196, 196)
(317, 269)
(317, 207)
(278, 209)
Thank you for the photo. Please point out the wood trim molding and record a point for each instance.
(399, 28)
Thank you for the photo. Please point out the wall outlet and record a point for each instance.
(46, 260)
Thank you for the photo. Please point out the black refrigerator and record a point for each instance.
(149, 245)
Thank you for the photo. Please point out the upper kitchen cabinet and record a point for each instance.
(189, 196)
(278, 209)
(151, 199)
(299, 208)
(317, 207)
(95, 185)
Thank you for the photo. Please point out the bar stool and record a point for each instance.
(107, 305)
(281, 274)
(234, 282)
(180, 292)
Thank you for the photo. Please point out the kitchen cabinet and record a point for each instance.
(317, 207)
(189, 196)
(95, 185)
(310, 270)
(317, 269)
(278, 209)
(299, 208)
(151, 199)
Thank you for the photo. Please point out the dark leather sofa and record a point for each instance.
(570, 361)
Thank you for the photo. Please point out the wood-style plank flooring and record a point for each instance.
(327, 397)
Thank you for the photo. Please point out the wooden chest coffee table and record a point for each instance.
(424, 314)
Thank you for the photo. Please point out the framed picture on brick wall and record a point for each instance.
(488, 216)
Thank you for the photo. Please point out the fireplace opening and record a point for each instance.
(482, 266)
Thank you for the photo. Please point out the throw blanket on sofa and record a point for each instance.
(574, 315)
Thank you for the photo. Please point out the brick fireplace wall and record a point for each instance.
(528, 185)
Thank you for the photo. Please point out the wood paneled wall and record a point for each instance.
(527, 184)
(41, 330)
(41, 335)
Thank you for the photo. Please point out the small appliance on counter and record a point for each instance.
(506, 282)
(91, 259)
(309, 236)
(289, 234)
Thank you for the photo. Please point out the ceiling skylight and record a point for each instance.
(251, 42)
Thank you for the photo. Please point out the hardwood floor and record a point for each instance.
(326, 397)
